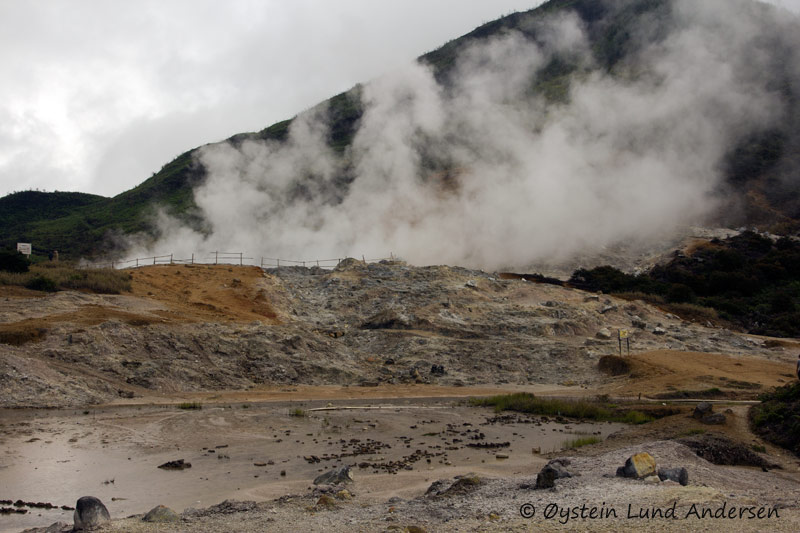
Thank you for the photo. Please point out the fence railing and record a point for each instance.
(226, 258)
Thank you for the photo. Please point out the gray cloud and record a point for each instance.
(88, 86)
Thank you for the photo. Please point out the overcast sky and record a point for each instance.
(96, 95)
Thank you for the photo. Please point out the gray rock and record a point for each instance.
(558, 465)
(603, 334)
(679, 475)
(89, 513)
(161, 514)
(338, 475)
(659, 331)
(713, 419)
(608, 308)
(546, 478)
(702, 410)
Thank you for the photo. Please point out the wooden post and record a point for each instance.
(279, 262)
(170, 259)
(364, 260)
(192, 257)
(137, 262)
(240, 258)
(216, 257)
(154, 260)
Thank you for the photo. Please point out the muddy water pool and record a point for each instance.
(257, 451)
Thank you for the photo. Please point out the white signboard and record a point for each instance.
(24, 248)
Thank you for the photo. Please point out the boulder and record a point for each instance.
(546, 478)
(713, 418)
(603, 334)
(558, 465)
(89, 513)
(679, 475)
(703, 409)
(161, 514)
(335, 476)
(638, 466)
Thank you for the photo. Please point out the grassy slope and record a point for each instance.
(83, 229)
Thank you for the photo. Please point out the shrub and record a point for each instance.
(13, 261)
(581, 441)
(41, 283)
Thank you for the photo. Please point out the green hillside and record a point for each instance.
(760, 171)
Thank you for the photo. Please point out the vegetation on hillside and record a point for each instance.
(57, 276)
(777, 418)
(749, 280)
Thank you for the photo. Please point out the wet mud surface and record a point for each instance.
(257, 451)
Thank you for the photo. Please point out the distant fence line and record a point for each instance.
(225, 258)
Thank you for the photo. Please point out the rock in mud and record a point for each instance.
(679, 475)
(89, 513)
(178, 464)
(161, 514)
(336, 476)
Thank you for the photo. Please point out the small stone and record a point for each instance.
(679, 475)
(326, 502)
(161, 514)
(659, 331)
(603, 334)
(652, 479)
(342, 474)
(344, 494)
(416, 529)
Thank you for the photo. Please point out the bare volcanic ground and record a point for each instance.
(198, 328)
(248, 345)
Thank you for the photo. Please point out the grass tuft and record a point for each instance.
(525, 402)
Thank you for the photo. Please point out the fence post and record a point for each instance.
(192, 257)
(137, 262)
(216, 257)
(240, 258)
(317, 263)
(364, 260)
(154, 260)
(279, 263)
(304, 264)
(170, 259)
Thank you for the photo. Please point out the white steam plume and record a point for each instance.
(630, 157)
